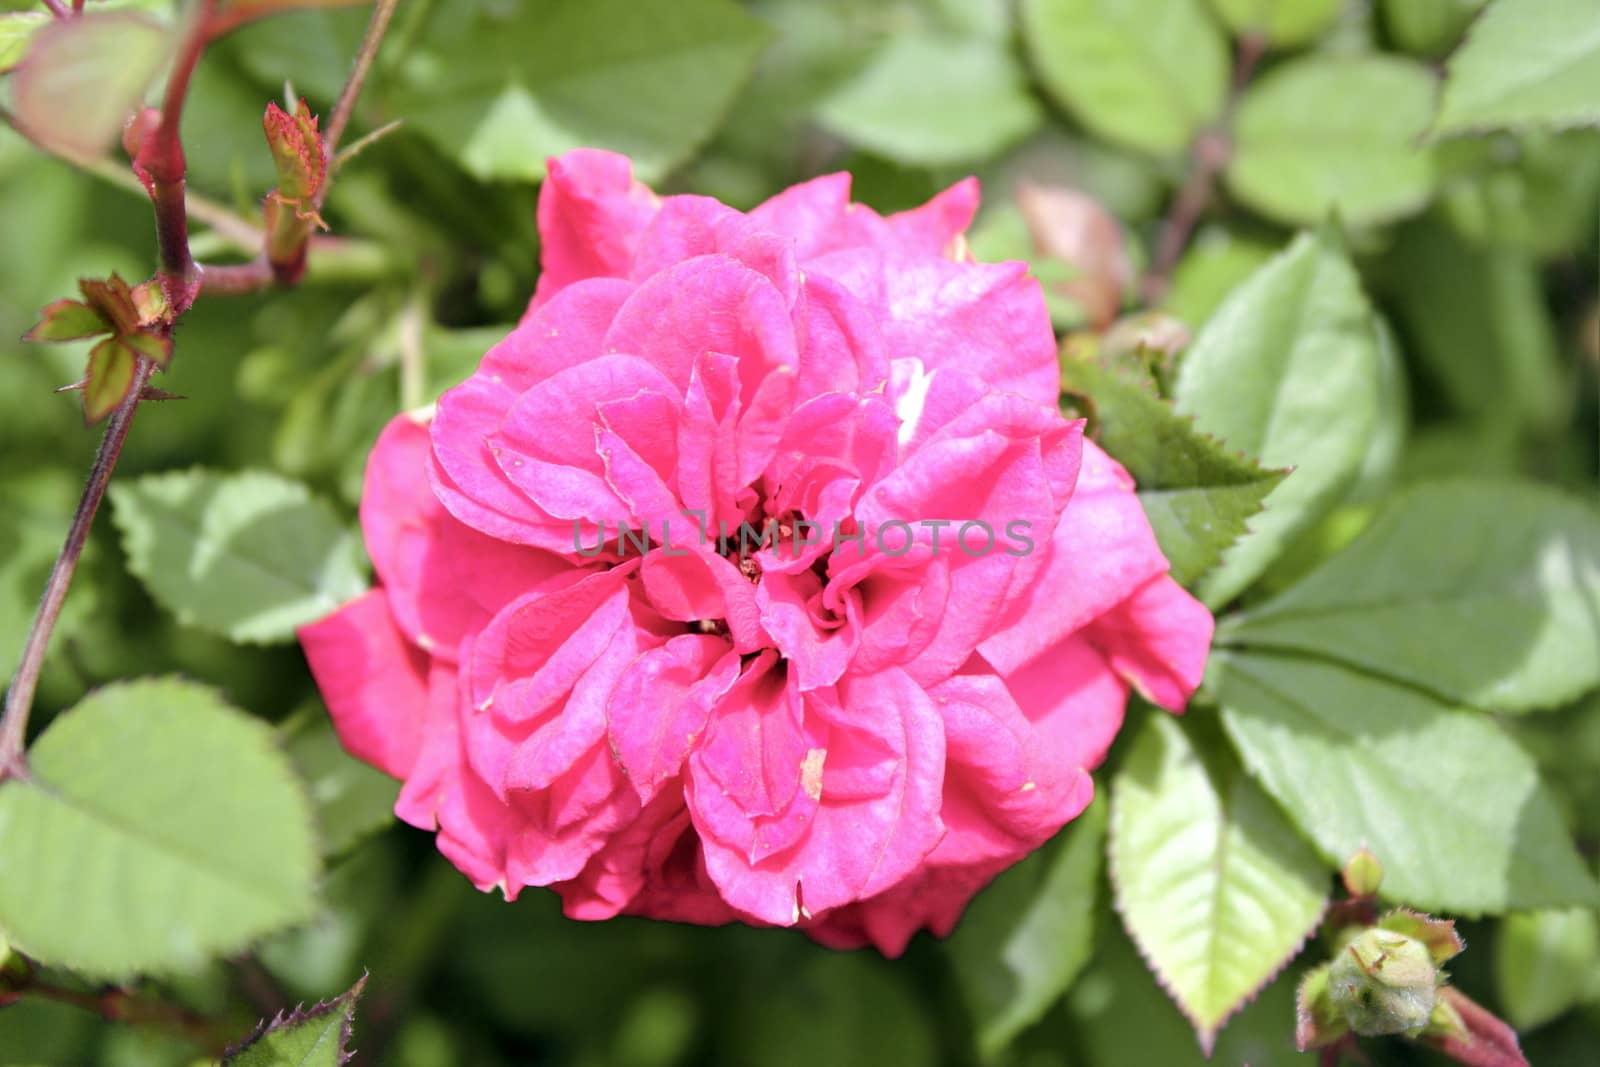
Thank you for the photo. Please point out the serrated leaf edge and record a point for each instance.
(285, 1019)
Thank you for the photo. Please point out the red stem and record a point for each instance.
(19, 698)
(161, 165)
(119, 1005)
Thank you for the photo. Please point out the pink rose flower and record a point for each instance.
(851, 726)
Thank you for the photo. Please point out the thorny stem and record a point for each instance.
(160, 164)
(19, 699)
(118, 1005)
(377, 26)
(1208, 155)
(162, 170)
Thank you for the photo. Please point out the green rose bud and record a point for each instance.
(1384, 983)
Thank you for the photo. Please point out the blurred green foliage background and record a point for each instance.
(1479, 251)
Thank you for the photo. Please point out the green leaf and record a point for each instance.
(318, 1036)
(1149, 74)
(1211, 881)
(353, 800)
(1285, 23)
(160, 827)
(930, 98)
(82, 76)
(508, 86)
(1335, 132)
(1525, 63)
(107, 379)
(68, 320)
(1450, 806)
(1197, 494)
(250, 556)
(1484, 593)
(17, 29)
(1535, 192)
(1026, 937)
(1480, 325)
(1287, 371)
(1428, 27)
(1547, 962)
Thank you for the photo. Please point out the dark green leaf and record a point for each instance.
(1335, 133)
(250, 556)
(1026, 937)
(1480, 325)
(1525, 63)
(1286, 371)
(1149, 74)
(1213, 884)
(160, 827)
(1485, 593)
(1450, 806)
(353, 800)
(506, 87)
(1196, 493)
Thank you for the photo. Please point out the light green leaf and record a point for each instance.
(160, 827)
(1285, 23)
(1196, 493)
(1286, 371)
(1335, 132)
(1450, 806)
(250, 555)
(318, 1036)
(1480, 325)
(353, 800)
(1387, 446)
(82, 76)
(1546, 962)
(1428, 27)
(508, 86)
(928, 98)
(17, 28)
(1149, 74)
(1525, 63)
(1484, 593)
(1026, 937)
(1211, 881)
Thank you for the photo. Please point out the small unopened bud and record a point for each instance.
(290, 211)
(296, 147)
(1363, 874)
(1384, 983)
